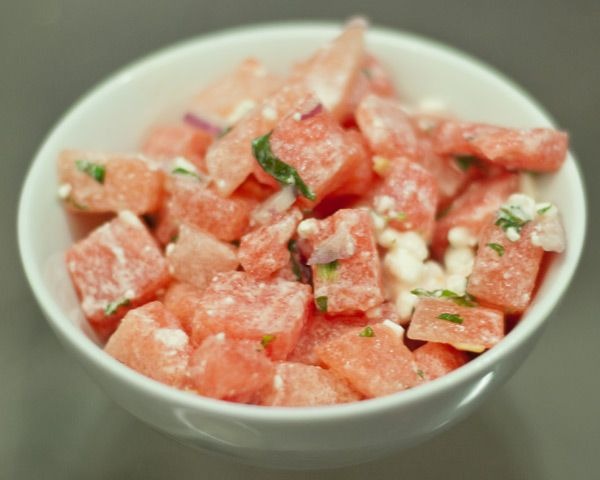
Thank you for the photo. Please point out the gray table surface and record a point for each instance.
(56, 424)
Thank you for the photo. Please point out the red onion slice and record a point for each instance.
(338, 246)
(274, 205)
(202, 124)
(318, 108)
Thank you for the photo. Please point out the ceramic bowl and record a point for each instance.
(114, 115)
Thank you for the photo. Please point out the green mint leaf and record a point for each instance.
(499, 249)
(543, 210)
(451, 317)
(465, 300)
(112, 307)
(327, 271)
(183, 171)
(321, 303)
(296, 269)
(280, 171)
(266, 339)
(509, 218)
(97, 172)
(367, 332)
(420, 373)
(464, 162)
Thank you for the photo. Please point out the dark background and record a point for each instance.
(55, 423)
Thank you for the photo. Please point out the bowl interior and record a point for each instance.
(115, 115)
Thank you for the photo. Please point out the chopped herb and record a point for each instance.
(97, 172)
(499, 249)
(225, 131)
(184, 171)
(266, 339)
(465, 300)
(507, 219)
(451, 317)
(296, 269)
(367, 332)
(420, 373)
(464, 162)
(174, 238)
(280, 171)
(327, 271)
(543, 210)
(321, 303)
(112, 307)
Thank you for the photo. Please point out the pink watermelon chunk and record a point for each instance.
(505, 275)
(474, 208)
(102, 182)
(264, 250)
(387, 127)
(229, 369)
(117, 267)
(374, 361)
(150, 340)
(320, 329)
(537, 149)
(360, 177)
(229, 97)
(332, 72)
(272, 311)
(298, 385)
(408, 197)
(437, 359)
(317, 147)
(466, 328)
(182, 300)
(352, 283)
(193, 203)
(229, 160)
(169, 141)
(196, 256)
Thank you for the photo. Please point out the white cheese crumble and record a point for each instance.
(131, 218)
(394, 327)
(269, 113)
(220, 337)
(459, 261)
(297, 116)
(240, 110)
(171, 337)
(384, 204)
(277, 382)
(461, 237)
(170, 249)
(64, 190)
(307, 228)
(512, 234)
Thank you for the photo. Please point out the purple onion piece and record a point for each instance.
(202, 124)
(339, 246)
(318, 108)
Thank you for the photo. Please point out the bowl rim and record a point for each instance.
(87, 348)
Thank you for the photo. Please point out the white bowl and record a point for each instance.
(113, 117)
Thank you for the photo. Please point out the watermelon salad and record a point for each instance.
(311, 239)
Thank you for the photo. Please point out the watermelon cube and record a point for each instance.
(332, 72)
(310, 140)
(387, 127)
(196, 256)
(117, 267)
(182, 300)
(466, 328)
(150, 340)
(537, 149)
(238, 92)
(505, 271)
(229, 369)
(437, 359)
(298, 385)
(272, 311)
(320, 329)
(169, 141)
(408, 197)
(360, 177)
(264, 250)
(474, 208)
(192, 202)
(374, 360)
(345, 262)
(230, 160)
(102, 182)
